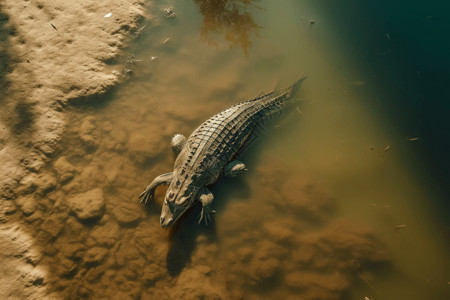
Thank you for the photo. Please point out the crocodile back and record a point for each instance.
(219, 139)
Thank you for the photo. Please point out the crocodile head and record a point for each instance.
(179, 198)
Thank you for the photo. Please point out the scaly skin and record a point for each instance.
(209, 152)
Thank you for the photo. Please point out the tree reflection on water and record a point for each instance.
(231, 17)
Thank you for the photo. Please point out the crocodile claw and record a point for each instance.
(146, 195)
(206, 215)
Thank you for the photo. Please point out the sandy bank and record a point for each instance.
(52, 53)
(55, 52)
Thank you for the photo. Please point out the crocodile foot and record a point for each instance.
(149, 193)
(234, 169)
(178, 142)
(146, 195)
(206, 215)
(206, 198)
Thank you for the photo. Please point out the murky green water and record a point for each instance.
(331, 207)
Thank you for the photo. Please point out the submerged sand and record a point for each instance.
(113, 248)
(52, 53)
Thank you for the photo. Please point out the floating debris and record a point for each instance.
(398, 227)
(107, 15)
(131, 60)
(371, 148)
(387, 148)
(388, 36)
(153, 58)
(366, 281)
(139, 31)
(299, 111)
(166, 41)
(53, 25)
(414, 139)
(169, 12)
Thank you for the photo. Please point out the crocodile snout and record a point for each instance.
(166, 222)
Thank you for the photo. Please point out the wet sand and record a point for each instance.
(53, 53)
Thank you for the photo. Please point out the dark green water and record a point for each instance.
(403, 50)
(403, 47)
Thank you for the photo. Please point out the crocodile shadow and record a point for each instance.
(184, 234)
(183, 240)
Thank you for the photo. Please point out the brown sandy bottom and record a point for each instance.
(275, 234)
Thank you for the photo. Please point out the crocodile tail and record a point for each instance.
(276, 100)
(292, 90)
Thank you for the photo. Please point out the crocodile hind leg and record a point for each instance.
(206, 198)
(178, 142)
(150, 190)
(234, 168)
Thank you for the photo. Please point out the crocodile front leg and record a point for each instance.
(178, 142)
(206, 198)
(150, 190)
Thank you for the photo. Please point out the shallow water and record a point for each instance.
(332, 206)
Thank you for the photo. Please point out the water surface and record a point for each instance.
(331, 207)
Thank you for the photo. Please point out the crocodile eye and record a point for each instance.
(171, 194)
(177, 182)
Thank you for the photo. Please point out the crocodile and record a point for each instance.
(210, 152)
